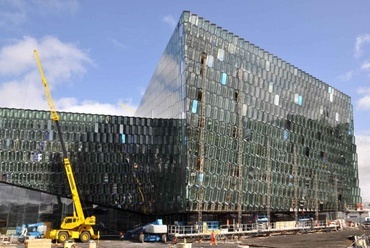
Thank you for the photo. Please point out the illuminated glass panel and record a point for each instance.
(223, 78)
(194, 106)
(221, 54)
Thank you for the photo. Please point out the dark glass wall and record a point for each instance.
(25, 206)
(120, 162)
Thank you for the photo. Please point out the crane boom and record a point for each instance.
(53, 111)
(76, 223)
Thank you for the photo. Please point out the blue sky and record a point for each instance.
(99, 54)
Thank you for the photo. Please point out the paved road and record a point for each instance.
(333, 239)
(128, 244)
(310, 240)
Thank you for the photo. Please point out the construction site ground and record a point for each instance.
(334, 239)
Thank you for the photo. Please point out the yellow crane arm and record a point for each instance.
(128, 108)
(53, 111)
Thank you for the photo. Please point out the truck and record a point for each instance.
(76, 226)
(34, 230)
(151, 232)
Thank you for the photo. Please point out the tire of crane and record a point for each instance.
(85, 237)
(63, 237)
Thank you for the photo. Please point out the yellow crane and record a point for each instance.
(76, 226)
(128, 108)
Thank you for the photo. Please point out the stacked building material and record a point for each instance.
(37, 243)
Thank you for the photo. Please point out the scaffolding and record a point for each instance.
(200, 160)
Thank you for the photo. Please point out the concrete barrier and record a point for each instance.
(184, 245)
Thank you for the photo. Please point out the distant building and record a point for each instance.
(223, 128)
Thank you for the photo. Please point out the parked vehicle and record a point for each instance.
(366, 224)
(34, 230)
(152, 232)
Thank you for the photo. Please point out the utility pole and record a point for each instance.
(268, 182)
(240, 99)
(200, 162)
(335, 195)
(295, 182)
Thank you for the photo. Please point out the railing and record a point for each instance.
(252, 229)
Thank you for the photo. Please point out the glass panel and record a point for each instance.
(223, 78)
(300, 100)
(276, 100)
(194, 106)
(210, 59)
(220, 54)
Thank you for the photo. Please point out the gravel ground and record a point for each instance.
(308, 240)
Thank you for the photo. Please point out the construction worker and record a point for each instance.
(213, 238)
(175, 240)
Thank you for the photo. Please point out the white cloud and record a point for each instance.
(363, 150)
(57, 6)
(117, 43)
(170, 20)
(62, 62)
(12, 13)
(360, 41)
(24, 93)
(365, 66)
(347, 76)
(17, 58)
(93, 107)
(16, 12)
(364, 101)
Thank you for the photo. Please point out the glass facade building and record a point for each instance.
(224, 126)
(240, 98)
